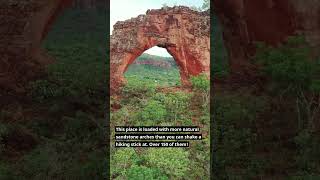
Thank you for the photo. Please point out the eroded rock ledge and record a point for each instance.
(269, 21)
(23, 25)
(183, 32)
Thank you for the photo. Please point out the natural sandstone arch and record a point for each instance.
(27, 23)
(24, 24)
(268, 21)
(183, 32)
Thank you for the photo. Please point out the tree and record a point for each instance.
(165, 5)
(205, 5)
(293, 74)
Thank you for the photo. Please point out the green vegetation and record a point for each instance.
(153, 96)
(128, 164)
(147, 102)
(295, 76)
(270, 131)
(153, 74)
(206, 5)
(220, 65)
(57, 131)
(171, 161)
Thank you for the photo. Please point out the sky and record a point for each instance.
(121, 10)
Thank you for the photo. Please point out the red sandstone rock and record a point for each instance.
(269, 21)
(183, 32)
(23, 24)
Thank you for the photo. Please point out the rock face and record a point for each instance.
(269, 21)
(23, 25)
(183, 32)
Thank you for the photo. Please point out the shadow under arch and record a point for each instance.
(174, 29)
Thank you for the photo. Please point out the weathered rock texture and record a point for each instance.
(271, 21)
(183, 32)
(23, 25)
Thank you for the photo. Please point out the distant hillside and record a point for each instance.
(145, 56)
(153, 60)
(154, 69)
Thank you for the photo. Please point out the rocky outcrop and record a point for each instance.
(269, 21)
(183, 32)
(23, 25)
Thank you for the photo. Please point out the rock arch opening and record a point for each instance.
(154, 66)
(184, 33)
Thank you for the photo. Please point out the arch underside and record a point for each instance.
(185, 40)
(244, 22)
(183, 32)
(130, 58)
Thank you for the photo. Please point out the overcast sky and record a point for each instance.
(121, 10)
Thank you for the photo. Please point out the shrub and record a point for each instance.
(121, 116)
(293, 74)
(233, 137)
(138, 88)
(154, 111)
(145, 173)
(308, 156)
(289, 66)
(61, 160)
(6, 172)
(177, 106)
(93, 168)
(42, 90)
(79, 126)
(173, 162)
(200, 83)
(122, 160)
(3, 133)
(42, 163)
